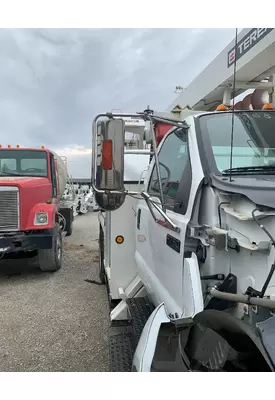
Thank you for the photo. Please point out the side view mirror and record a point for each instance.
(110, 155)
(108, 162)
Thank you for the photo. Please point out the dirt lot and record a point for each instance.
(56, 321)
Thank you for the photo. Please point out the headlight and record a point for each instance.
(41, 218)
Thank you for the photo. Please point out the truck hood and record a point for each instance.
(23, 181)
(258, 188)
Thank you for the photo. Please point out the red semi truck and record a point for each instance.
(33, 214)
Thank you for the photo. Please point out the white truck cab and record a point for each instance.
(188, 255)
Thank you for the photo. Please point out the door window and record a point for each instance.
(53, 175)
(175, 172)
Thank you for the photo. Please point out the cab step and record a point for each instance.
(121, 352)
(124, 338)
(140, 309)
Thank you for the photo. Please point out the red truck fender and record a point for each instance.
(50, 209)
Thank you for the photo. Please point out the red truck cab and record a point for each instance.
(29, 207)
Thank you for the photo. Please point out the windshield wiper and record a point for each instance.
(9, 174)
(251, 169)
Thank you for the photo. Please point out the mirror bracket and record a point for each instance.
(168, 223)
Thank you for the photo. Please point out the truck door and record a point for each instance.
(160, 250)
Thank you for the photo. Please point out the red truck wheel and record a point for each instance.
(50, 260)
(69, 228)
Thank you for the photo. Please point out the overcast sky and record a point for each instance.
(54, 81)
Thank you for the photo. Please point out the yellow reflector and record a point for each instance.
(17, 146)
(42, 147)
(119, 239)
(9, 146)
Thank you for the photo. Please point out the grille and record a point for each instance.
(9, 209)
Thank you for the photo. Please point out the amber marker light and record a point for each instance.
(221, 107)
(268, 106)
(119, 239)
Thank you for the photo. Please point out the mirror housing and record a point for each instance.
(110, 155)
(108, 162)
(109, 201)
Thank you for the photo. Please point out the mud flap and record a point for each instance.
(145, 350)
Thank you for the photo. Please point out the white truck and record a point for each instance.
(187, 255)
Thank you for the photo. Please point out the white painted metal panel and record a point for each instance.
(205, 89)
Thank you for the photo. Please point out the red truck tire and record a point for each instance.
(50, 260)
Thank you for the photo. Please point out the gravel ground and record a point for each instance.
(56, 321)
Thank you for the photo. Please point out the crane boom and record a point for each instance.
(255, 62)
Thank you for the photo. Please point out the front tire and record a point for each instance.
(69, 231)
(50, 260)
(69, 225)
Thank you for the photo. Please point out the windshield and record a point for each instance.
(23, 163)
(253, 140)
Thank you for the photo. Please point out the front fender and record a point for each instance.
(239, 335)
(51, 209)
(146, 347)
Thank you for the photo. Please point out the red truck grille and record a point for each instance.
(9, 208)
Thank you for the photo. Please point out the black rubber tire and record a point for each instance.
(50, 260)
(102, 274)
(69, 231)
(69, 227)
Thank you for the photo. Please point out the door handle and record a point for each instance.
(138, 218)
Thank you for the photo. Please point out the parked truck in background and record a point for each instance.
(33, 214)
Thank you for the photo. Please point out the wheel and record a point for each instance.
(69, 226)
(69, 230)
(50, 260)
(102, 274)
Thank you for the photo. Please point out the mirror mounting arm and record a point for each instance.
(151, 203)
